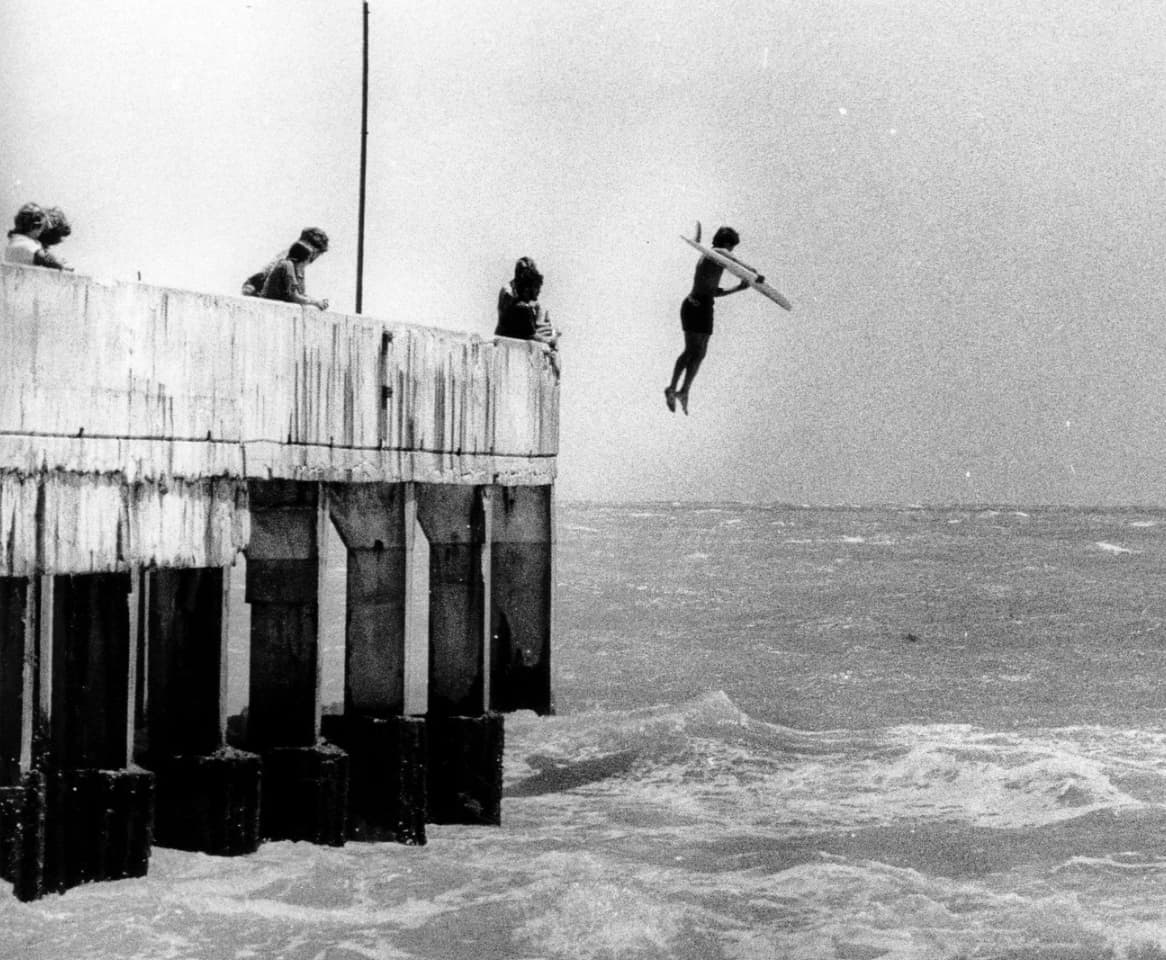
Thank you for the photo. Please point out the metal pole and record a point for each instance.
(363, 168)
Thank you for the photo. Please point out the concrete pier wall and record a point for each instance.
(167, 401)
(148, 438)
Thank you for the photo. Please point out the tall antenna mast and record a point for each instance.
(363, 168)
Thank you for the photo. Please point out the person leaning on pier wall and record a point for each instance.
(521, 316)
(283, 278)
(34, 229)
(58, 228)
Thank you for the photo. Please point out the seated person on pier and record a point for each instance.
(521, 316)
(283, 278)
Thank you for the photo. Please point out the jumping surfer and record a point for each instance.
(696, 316)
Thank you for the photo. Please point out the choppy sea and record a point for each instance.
(781, 733)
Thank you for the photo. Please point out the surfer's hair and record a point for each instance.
(726, 237)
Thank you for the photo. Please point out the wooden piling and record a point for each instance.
(207, 794)
(98, 807)
(18, 620)
(22, 792)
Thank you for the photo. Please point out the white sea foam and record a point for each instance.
(1112, 548)
(686, 828)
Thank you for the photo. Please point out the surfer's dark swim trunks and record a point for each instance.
(696, 315)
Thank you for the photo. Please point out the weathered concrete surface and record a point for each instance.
(283, 570)
(522, 591)
(167, 401)
(376, 529)
(454, 521)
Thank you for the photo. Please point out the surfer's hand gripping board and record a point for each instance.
(742, 272)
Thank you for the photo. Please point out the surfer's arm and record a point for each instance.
(737, 289)
(725, 253)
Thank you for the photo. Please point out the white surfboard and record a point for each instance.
(740, 271)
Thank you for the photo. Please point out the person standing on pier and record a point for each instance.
(696, 317)
(283, 278)
(521, 316)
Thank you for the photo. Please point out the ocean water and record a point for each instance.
(781, 733)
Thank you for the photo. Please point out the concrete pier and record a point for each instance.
(179, 431)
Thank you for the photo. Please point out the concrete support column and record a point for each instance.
(207, 793)
(454, 519)
(386, 749)
(304, 782)
(22, 794)
(99, 807)
(521, 596)
(465, 741)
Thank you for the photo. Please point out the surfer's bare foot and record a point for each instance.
(670, 398)
(683, 398)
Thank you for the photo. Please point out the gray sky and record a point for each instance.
(964, 201)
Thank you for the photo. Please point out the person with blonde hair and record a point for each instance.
(24, 245)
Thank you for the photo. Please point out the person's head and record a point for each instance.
(726, 238)
(300, 252)
(316, 240)
(30, 221)
(57, 227)
(528, 282)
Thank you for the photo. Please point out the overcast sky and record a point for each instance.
(964, 201)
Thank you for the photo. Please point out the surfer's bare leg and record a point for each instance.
(677, 371)
(695, 348)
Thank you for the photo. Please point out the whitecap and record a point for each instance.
(1113, 548)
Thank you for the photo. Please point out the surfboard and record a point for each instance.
(740, 271)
